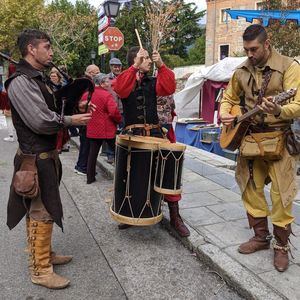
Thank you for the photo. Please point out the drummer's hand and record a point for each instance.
(138, 60)
(269, 106)
(227, 119)
(157, 59)
(81, 119)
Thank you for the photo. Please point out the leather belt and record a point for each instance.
(145, 127)
(258, 129)
(53, 154)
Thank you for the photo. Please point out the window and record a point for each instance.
(224, 51)
(259, 5)
(225, 17)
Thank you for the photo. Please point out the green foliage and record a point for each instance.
(197, 52)
(187, 31)
(73, 29)
(173, 61)
(285, 36)
(14, 17)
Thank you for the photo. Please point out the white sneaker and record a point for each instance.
(79, 173)
(9, 139)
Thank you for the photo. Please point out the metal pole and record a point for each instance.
(102, 63)
(112, 24)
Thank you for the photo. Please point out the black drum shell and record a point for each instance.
(141, 180)
(169, 168)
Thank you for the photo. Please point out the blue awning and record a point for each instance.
(266, 15)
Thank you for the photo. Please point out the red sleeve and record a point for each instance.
(125, 82)
(112, 109)
(165, 84)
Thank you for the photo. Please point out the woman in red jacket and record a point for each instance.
(103, 124)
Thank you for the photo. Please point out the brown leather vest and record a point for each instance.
(29, 141)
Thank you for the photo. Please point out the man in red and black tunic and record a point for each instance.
(138, 92)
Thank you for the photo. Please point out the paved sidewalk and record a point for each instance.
(211, 205)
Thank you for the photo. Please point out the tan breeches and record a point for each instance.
(38, 212)
(254, 197)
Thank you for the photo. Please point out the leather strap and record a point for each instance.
(264, 85)
(146, 127)
(43, 155)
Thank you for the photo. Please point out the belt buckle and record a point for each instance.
(43, 155)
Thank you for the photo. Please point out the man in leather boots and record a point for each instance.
(37, 123)
(263, 75)
(128, 85)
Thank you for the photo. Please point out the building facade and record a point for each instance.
(223, 35)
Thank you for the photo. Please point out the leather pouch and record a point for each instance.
(292, 143)
(25, 181)
(266, 145)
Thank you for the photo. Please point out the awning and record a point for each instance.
(266, 15)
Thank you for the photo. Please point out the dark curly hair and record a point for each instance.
(30, 36)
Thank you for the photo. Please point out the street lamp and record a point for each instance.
(93, 56)
(111, 8)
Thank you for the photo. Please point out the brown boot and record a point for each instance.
(59, 259)
(281, 247)
(55, 259)
(261, 239)
(176, 221)
(40, 265)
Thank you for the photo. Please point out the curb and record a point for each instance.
(239, 278)
(246, 283)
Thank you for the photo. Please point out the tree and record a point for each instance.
(188, 29)
(284, 34)
(14, 17)
(177, 44)
(197, 52)
(73, 30)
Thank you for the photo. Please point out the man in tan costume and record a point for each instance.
(252, 176)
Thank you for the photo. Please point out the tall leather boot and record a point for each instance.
(261, 239)
(176, 221)
(40, 247)
(55, 258)
(281, 247)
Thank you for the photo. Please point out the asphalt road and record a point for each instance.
(137, 263)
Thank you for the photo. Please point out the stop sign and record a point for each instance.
(113, 38)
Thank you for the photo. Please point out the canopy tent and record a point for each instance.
(187, 100)
(266, 15)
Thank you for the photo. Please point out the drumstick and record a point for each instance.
(138, 37)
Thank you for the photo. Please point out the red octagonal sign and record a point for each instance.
(113, 38)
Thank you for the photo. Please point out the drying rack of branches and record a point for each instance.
(160, 16)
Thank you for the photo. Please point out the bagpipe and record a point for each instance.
(68, 96)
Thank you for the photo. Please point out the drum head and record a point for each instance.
(172, 146)
(140, 142)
